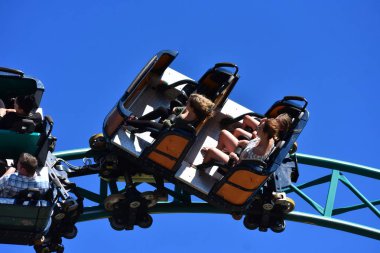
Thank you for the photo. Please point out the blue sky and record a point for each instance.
(87, 52)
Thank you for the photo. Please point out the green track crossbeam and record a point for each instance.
(325, 219)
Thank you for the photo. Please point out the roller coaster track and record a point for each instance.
(324, 216)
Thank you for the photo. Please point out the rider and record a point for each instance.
(13, 182)
(257, 148)
(197, 108)
(23, 106)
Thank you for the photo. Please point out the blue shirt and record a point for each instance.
(11, 185)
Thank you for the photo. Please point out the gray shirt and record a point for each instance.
(248, 152)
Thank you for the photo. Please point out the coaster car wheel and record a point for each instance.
(250, 222)
(60, 249)
(41, 249)
(59, 216)
(268, 206)
(237, 216)
(150, 197)
(288, 204)
(107, 174)
(294, 148)
(39, 241)
(116, 224)
(146, 221)
(97, 142)
(72, 234)
(110, 201)
(135, 204)
(278, 226)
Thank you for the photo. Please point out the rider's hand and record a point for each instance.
(2, 112)
(234, 156)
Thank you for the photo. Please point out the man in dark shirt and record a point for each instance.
(12, 118)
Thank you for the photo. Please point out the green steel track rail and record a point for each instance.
(324, 216)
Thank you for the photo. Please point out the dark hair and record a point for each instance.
(284, 122)
(28, 162)
(271, 128)
(26, 103)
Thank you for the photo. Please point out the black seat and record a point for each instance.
(25, 126)
(216, 80)
(13, 83)
(211, 84)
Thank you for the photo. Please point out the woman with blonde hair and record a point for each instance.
(197, 108)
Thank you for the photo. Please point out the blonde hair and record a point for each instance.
(202, 106)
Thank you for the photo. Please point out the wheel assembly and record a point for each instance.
(150, 197)
(45, 250)
(250, 222)
(60, 249)
(294, 148)
(115, 224)
(267, 206)
(237, 216)
(59, 216)
(71, 234)
(97, 142)
(41, 249)
(135, 204)
(110, 201)
(146, 221)
(278, 226)
(288, 204)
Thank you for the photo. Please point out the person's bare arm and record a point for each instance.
(250, 122)
(243, 143)
(234, 156)
(3, 112)
(9, 171)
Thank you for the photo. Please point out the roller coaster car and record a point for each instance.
(257, 185)
(171, 153)
(13, 83)
(32, 218)
(157, 85)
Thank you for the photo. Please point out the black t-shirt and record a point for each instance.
(177, 121)
(12, 121)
